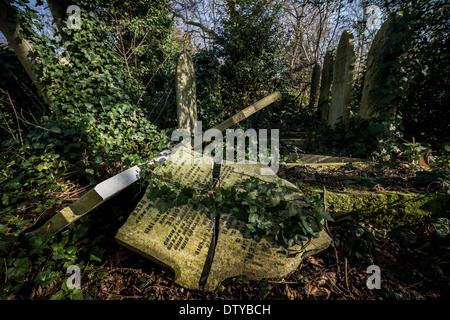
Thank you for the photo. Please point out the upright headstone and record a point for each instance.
(315, 82)
(186, 93)
(386, 32)
(341, 91)
(325, 86)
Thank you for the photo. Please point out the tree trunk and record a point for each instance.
(23, 48)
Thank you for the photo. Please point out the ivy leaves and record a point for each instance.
(278, 213)
(270, 211)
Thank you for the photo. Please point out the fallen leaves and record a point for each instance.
(322, 287)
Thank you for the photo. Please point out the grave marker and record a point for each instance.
(186, 93)
(342, 80)
(204, 252)
(386, 32)
(315, 82)
(325, 85)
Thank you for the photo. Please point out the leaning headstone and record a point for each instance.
(247, 112)
(341, 91)
(315, 82)
(325, 86)
(186, 93)
(386, 32)
(203, 252)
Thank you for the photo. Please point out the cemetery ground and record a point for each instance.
(414, 261)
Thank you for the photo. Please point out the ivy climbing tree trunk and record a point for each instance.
(23, 48)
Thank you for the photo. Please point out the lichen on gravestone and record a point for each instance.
(315, 86)
(186, 95)
(179, 237)
(343, 72)
(325, 85)
(203, 252)
(387, 32)
(238, 256)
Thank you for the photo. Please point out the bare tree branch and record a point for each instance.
(194, 23)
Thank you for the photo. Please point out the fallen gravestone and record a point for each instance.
(341, 91)
(186, 93)
(114, 185)
(234, 255)
(247, 112)
(204, 252)
(178, 238)
(321, 160)
(89, 201)
(385, 209)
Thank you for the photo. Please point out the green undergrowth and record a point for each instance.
(36, 266)
(41, 260)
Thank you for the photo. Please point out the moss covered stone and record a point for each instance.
(388, 209)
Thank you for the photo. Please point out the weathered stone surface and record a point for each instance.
(386, 32)
(180, 237)
(183, 239)
(320, 160)
(90, 200)
(315, 85)
(315, 158)
(325, 85)
(341, 91)
(236, 256)
(186, 93)
(300, 143)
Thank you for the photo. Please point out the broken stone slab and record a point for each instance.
(178, 238)
(90, 200)
(237, 173)
(235, 255)
(201, 251)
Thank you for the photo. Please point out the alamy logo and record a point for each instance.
(257, 151)
(74, 281)
(74, 18)
(374, 281)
